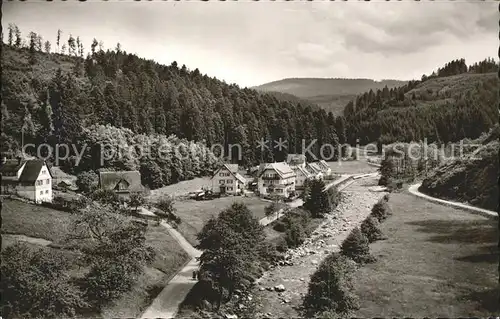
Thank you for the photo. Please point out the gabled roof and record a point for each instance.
(232, 168)
(302, 170)
(11, 166)
(109, 180)
(313, 168)
(283, 169)
(295, 159)
(31, 171)
(324, 165)
(240, 178)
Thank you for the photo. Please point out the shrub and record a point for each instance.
(35, 284)
(106, 196)
(295, 234)
(107, 281)
(87, 181)
(370, 228)
(281, 245)
(279, 226)
(167, 209)
(381, 210)
(330, 287)
(386, 197)
(355, 246)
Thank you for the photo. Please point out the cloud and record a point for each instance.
(251, 43)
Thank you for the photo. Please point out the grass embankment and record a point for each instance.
(436, 261)
(41, 222)
(194, 214)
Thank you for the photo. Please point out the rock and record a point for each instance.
(279, 288)
(250, 298)
(228, 316)
(301, 279)
(269, 288)
(314, 262)
(262, 288)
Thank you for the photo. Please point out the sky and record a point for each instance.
(252, 43)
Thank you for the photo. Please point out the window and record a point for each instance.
(279, 190)
(221, 181)
(47, 191)
(229, 188)
(44, 171)
(48, 181)
(41, 192)
(229, 181)
(221, 174)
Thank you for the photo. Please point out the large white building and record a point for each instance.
(276, 179)
(30, 179)
(227, 180)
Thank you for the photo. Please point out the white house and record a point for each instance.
(30, 179)
(277, 179)
(227, 180)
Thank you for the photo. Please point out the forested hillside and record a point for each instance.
(453, 103)
(331, 94)
(471, 179)
(54, 96)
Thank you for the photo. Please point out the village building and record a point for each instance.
(326, 169)
(123, 183)
(30, 179)
(296, 160)
(315, 170)
(277, 179)
(301, 175)
(227, 180)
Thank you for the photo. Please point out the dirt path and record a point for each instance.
(354, 208)
(413, 189)
(31, 240)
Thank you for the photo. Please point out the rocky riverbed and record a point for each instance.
(279, 291)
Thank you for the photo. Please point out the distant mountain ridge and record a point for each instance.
(332, 94)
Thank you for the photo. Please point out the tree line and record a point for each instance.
(442, 113)
(120, 89)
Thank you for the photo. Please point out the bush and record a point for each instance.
(281, 245)
(106, 196)
(87, 181)
(381, 210)
(279, 226)
(370, 228)
(355, 246)
(295, 234)
(107, 281)
(35, 284)
(330, 287)
(386, 197)
(167, 210)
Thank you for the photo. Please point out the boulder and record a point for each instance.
(279, 288)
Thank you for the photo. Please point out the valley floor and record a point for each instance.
(355, 206)
(437, 261)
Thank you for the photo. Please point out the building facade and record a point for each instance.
(227, 180)
(30, 179)
(277, 179)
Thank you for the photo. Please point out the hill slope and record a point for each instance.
(459, 102)
(331, 94)
(471, 179)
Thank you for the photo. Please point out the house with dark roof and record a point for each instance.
(30, 179)
(122, 183)
(227, 180)
(277, 179)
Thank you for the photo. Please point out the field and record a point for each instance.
(40, 222)
(180, 189)
(352, 167)
(194, 214)
(437, 261)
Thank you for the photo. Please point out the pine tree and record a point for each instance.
(47, 47)
(59, 32)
